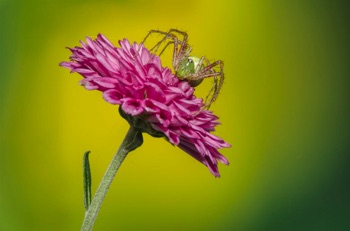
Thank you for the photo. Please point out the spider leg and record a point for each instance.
(155, 48)
(151, 32)
(211, 93)
(170, 34)
(218, 83)
(200, 64)
(176, 42)
(207, 72)
(166, 46)
(175, 59)
(183, 44)
(213, 89)
(179, 54)
(181, 48)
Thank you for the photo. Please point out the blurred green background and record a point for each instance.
(284, 108)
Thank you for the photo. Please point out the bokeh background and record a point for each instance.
(284, 108)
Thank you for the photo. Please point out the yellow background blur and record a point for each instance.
(284, 108)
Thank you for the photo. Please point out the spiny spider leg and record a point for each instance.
(179, 53)
(207, 72)
(183, 44)
(156, 47)
(175, 61)
(166, 35)
(218, 83)
(211, 93)
(175, 51)
(170, 42)
(171, 34)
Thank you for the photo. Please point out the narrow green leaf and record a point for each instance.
(87, 180)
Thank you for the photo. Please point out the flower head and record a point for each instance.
(149, 95)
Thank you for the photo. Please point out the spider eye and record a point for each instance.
(190, 60)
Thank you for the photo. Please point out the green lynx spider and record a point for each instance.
(187, 67)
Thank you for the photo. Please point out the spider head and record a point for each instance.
(187, 67)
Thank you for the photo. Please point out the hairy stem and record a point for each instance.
(132, 140)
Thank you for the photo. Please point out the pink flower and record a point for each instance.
(150, 96)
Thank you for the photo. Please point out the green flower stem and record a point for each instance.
(132, 140)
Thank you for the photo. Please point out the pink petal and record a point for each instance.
(106, 82)
(112, 96)
(132, 106)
